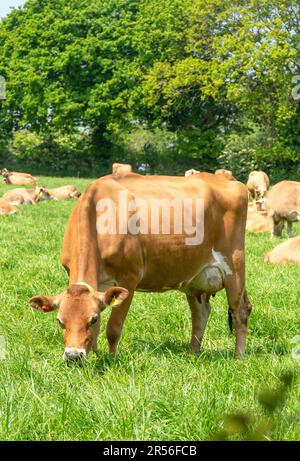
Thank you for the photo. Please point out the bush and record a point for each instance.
(254, 149)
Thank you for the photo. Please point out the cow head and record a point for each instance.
(42, 194)
(5, 175)
(79, 310)
(191, 172)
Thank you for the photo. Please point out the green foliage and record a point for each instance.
(193, 69)
(247, 426)
(251, 148)
(25, 145)
(165, 151)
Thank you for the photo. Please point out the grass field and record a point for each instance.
(154, 389)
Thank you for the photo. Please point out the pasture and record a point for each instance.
(153, 389)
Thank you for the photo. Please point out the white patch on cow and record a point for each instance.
(220, 260)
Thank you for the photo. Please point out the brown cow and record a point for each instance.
(258, 183)
(286, 252)
(256, 222)
(64, 193)
(6, 208)
(21, 179)
(121, 168)
(227, 173)
(26, 196)
(6, 171)
(191, 172)
(283, 204)
(110, 243)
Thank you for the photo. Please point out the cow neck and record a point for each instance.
(87, 256)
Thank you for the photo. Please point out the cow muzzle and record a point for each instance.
(73, 354)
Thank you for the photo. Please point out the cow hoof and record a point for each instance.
(194, 350)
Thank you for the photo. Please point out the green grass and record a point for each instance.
(153, 389)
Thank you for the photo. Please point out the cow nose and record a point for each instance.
(73, 354)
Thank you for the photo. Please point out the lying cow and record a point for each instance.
(26, 196)
(64, 193)
(6, 171)
(191, 172)
(256, 222)
(258, 184)
(286, 252)
(109, 242)
(121, 168)
(227, 173)
(6, 208)
(283, 205)
(21, 179)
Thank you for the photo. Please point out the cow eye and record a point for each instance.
(60, 323)
(93, 320)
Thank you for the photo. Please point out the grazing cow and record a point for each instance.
(258, 184)
(121, 168)
(256, 222)
(20, 179)
(286, 252)
(6, 208)
(283, 204)
(26, 196)
(191, 172)
(227, 173)
(64, 193)
(109, 242)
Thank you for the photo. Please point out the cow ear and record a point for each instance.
(45, 303)
(112, 297)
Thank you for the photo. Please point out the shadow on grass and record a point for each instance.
(104, 362)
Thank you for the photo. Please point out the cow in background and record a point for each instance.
(63, 193)
(258, 184)
(283, 205)
(256, 221)
(191, 172)
(121, 168)
(24, 196)
(286, 252)
(6, 208)
(20, 179)
(226, 173)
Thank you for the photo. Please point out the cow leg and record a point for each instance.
(239, 311)
(279, 228)
(272, 226)
(200, 310)
(115, 323)
(290, 229)
(276, 227)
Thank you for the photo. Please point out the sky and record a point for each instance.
(5, 4)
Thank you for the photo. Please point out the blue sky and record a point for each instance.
(5, 4)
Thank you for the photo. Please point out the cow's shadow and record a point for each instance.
(104, 362)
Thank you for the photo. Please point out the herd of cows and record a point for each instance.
(105, 269)
(270, 210)
(26, 196)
